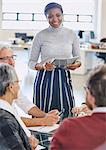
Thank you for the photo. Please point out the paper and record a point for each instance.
(39, 147)
(44, 129)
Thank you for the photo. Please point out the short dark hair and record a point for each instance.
(52, 5)
(97, 85)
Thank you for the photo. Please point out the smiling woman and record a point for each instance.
(53, 86)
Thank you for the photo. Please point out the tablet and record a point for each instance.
(63, 61)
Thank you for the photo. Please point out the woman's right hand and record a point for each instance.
(49, 66)
(38, 66)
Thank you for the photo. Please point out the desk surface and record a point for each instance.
(17, 46)
(20, 46)
(94, 50)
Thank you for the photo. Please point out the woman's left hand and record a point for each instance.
(74, 66)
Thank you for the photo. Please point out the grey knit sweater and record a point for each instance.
(54, 43)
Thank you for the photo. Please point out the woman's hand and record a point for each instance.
(49, 66)
(38, 66)
(74, 66)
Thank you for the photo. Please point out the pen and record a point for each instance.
(61, 112)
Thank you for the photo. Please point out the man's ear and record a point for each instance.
(10, 87)
(91, 98)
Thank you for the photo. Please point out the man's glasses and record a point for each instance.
(4, 59)
(17, 81)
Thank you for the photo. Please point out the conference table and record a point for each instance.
(44, 134)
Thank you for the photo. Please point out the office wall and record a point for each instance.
(6, 34)
(103, 19)
(101, 24)
(0, 12)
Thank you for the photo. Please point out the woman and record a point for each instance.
(52, 86)
(13, 133)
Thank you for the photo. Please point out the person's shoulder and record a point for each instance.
(75, 120)
(7, 118)
(69, 31)
(41, 33)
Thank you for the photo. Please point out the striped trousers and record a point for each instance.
(53, 90)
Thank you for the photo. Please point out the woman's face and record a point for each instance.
(55, 17)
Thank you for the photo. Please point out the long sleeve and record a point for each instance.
(23, 102)
(54, 43)
(34, 53)
(75, 46)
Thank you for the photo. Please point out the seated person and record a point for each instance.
(13, 133)
(87, 132)
(39, 117)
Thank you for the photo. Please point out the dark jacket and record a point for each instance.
(12, 136)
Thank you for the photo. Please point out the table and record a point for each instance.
(26, 45)
(44, 134)
(20, 46)
(44, 138)
(94, 50)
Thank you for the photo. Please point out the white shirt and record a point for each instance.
(99, 110)
(23, 102)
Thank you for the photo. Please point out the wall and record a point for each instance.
(101, 23)
(6, 34)
(0, 12)
(103, 19)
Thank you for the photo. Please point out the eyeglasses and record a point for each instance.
(17, 81)
(4, 59)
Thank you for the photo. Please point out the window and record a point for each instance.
(28, 14)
